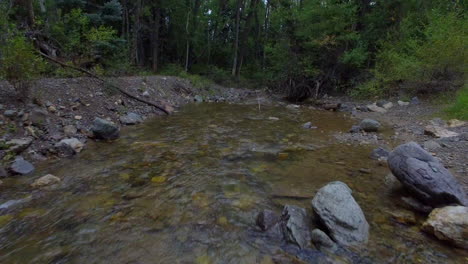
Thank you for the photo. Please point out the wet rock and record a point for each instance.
(10, 113)
(309, 125)
(402, 103)
(331, 106)
(38, 117)
(414, 100)
(369, 125)
(438, 132)
(339, 212)
(425, 176)
(70, 130)
(381, 103)
(431, 145)
(322, 241)
(198, 98)
(391, 181)
(3, 172)
(416, 205)
(449, 224)
(403, 217)
(21, 166)
(47, 180)
(52, 109)
(355, 129)
(18, 145)
(266, 219)
(295, 226)
(69, 146)
(388, 105)
(103, 129)
(375, 108)
(131, 119)
(379, 153)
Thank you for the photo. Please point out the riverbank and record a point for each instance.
(65, 108)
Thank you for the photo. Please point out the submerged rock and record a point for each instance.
(308, 125)
(3, 172)
(369, 125)
(449, 224)
(295, 226)
(425, 176)
(431, 145)
(47, 180)
(21, 166)
(267, 219)
(379, 153)
(340, 213)
(131, 119)
(103, 129)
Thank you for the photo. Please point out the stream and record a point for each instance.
(187, 189)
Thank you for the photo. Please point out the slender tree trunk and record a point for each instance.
(187, 45)
(245, 33)
(236, 42)
(157, 25)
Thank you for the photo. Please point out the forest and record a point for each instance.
(301, 47)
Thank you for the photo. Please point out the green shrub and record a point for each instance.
(459, 109)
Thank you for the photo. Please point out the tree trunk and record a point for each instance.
(236, 42)
(157, 25)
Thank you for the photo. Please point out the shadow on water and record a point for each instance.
(187, 188)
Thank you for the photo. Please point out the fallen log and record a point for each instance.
(166, 109)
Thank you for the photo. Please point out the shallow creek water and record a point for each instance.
(187, 188)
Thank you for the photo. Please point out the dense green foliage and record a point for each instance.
(301, 47)
(459, 109)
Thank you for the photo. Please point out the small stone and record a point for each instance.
(21, 166)
(379, 153)
(388, 105)
(272, 118)
(449, 224)
(146, 94)
(3, 172)
(365, 171)
(414, 100)
(370, 125)
(10, 113)
(375, 108)
(267, 219)
(70, 130)
(131, 119)
(18, 145)
(47, 180)
(355, 129)
(438, 132)
(456, 123)
(402, 103)
(103, 129)
(78, 117)
(198, 98)
(309, 125)
(52, 109)
(38, 117)
(431, 145)
(296, 226)
(70, 146)
(322, 241)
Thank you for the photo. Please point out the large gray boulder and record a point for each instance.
(103, 129)
(341, 214)
(296, 226)
(425, 176)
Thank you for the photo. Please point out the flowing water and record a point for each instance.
(187, 188)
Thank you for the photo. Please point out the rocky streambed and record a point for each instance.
(234, 183)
